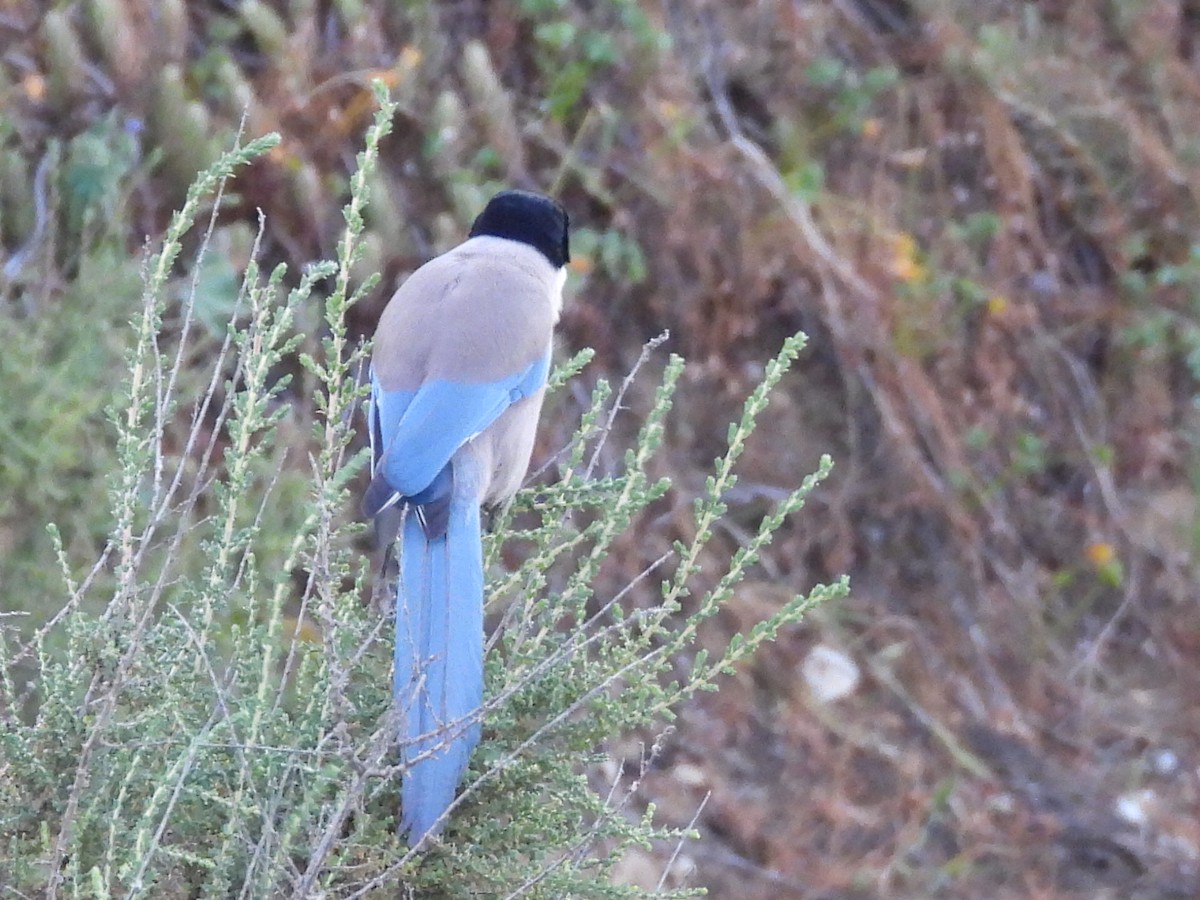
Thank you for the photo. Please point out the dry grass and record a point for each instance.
(984, 214)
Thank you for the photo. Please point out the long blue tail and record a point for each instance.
(439, 652)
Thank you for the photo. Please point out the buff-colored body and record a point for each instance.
(483, 310)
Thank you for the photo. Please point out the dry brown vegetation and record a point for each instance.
(984, 214)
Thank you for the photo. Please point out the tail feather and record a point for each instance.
(438, 679)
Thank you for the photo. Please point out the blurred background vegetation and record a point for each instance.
(985, 215)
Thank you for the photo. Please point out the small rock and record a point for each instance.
(830, 674)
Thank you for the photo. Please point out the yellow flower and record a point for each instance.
(997, 305)
(301, 629)
(669, 110)
(1101, 554)
(34, 86)
(871, 129)
(410, 57)
(908, 270)
(904, 244)
(905, 265)
(1103, 557)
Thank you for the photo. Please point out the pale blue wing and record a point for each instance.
(414, 433)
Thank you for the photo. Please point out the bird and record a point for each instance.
(459, 364)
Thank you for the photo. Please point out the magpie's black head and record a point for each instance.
(530, 218)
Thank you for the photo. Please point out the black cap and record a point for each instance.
(530, 218)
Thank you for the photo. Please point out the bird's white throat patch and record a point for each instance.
(556, 293)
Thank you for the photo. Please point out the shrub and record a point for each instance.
(223, 726)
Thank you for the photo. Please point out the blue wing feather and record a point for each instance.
(418, 431)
